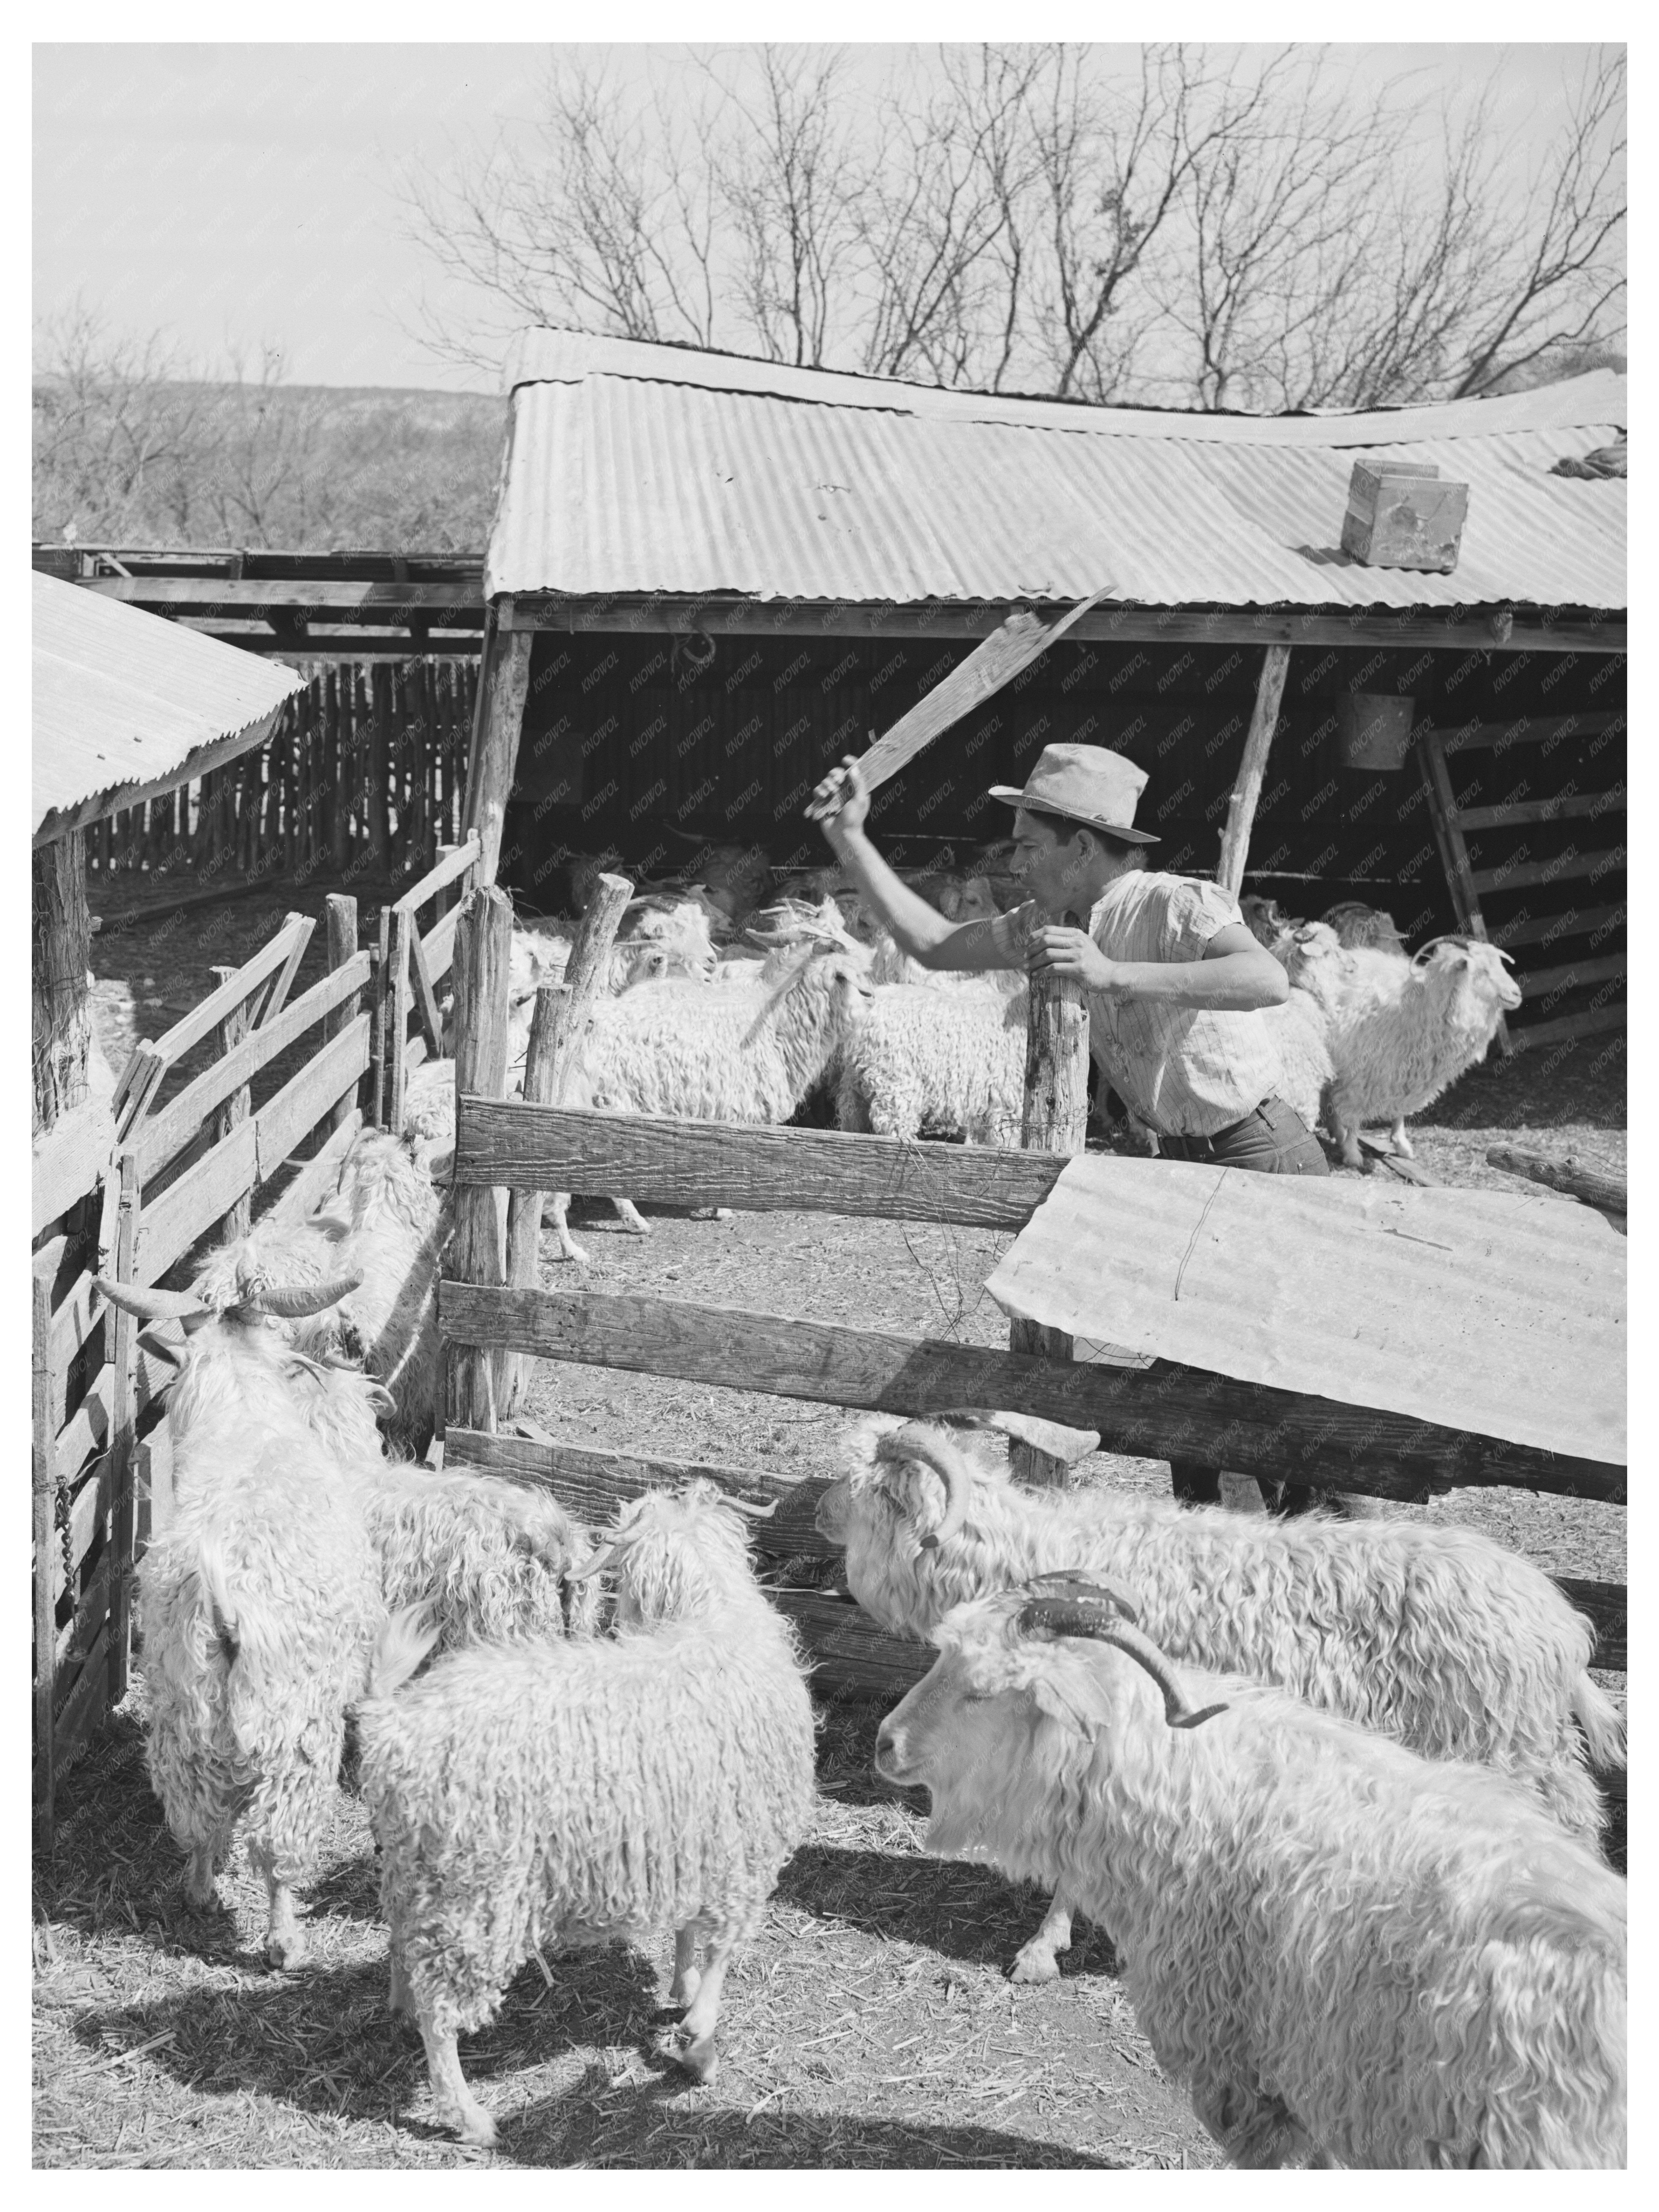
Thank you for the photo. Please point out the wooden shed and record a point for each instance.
(710, 577)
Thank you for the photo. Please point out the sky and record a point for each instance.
(225, 196)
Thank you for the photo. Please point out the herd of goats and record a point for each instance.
(1327, 1783)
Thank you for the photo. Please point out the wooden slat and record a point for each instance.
(1213, 1419)
(1527, 873)
(178, 1121)
(319, 1176)
(67, 1161)
(1514, 814)
(43, 1486)
(591, 1484)
(232, 1032)
(399, 990)
(1545, 928)
(1576, 975)
(426, 1003)
(202, 1195)
(78, 1635)
(1252, 768)
(123, 1421)
(87, 1429)
(153, 1484)
(83, 1707)
(291, 1116)
(439, 945)
(1611, 1193)
(1608, 1606)
(270, 960)
(337, 598)
(847, 1650)
(1019, 640)
(755, 1169)
(477, 1246)
(1590, 1024)
(455, 865)
(1525, 729)
(270, 1004)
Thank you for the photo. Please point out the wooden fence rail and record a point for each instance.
(365, 770)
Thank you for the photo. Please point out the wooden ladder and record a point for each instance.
(1471, 877)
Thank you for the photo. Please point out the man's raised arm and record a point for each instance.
(840, 806)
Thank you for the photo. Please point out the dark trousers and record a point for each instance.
(1273, 1140)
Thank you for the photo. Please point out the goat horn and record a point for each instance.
(755, 1512)
(1067, 1618)
(596, 1565)
(917, 1440)
(291, 1304)
(149, 1305)
(1071, 1583)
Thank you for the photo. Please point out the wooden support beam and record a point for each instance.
(1611, 1194)
(523, 1210)
(61, 1015)
(484, 948)
(123, 1422)
(1252, 768)
(1521, 875)
(1149, 1412)
(340, 920)
(1575, 976)
(1054, 1121)
(665, 614)
(504, 688)
(400, 998)
(44, 1487)
(1545, 928)
(1515, 814)
(235, 1110)
(748, 1167)
(1526, 729)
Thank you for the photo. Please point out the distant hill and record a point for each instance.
(301, 466)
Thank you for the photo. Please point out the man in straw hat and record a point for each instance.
(1176, 982)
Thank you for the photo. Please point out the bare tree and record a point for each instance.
(945, 216)
(118, 435)
(605, 221)
(1336, 259)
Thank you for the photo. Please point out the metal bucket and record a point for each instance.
(1373, 730)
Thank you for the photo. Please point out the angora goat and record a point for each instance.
(1400, 1031)
(1437, 1637)
(658, 1780)
(948, 1063)
(1353, 1957)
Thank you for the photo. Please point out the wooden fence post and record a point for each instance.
(400, 998)
(504, 688)
(1055, 1120)
(549, 1028)
(483, 952)
(380, 813)
(234, 1111)
(122, 1421)
(1240, 806)
(43, 1473)
(375, 1111)
(340, 915)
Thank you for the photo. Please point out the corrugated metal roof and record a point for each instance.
(1498, 1311)
(121, 697)
(635, 468)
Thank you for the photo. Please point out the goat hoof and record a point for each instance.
(684, 1987)
(1036, 1963)
(700, 2059)
(475, 2126)
(288, 1951)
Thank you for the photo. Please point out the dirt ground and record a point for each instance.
(871, 2025)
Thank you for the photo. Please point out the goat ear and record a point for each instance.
(1078, 1702)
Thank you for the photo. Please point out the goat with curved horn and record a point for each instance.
(916, 1440)
(1070, 1617)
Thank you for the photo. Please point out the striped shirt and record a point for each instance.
(1186, 1071)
